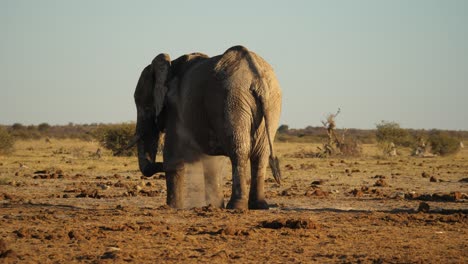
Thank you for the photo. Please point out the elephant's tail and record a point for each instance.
(273, 160)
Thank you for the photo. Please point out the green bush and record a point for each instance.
(7, 141)
(116, 137)
(43, 127)
(283, 129)
(392, 132)
(443, 144)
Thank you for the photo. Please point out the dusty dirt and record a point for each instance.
(60, 204)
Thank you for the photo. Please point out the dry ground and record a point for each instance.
(59, 203)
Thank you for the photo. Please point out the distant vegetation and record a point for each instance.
(442, 143)
(44, 130)
(392, 132)
(7, 141)
(116, 136)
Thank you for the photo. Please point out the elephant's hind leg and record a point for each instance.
(212, 170)
(257, 195)
(239, 196)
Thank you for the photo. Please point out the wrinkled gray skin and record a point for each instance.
(225, 105)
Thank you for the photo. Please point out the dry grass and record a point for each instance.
(355, 205)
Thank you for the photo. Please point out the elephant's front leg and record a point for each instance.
(175, 187)
(212, 170)
(239, 197)
(257, 194)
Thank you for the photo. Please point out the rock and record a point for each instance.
(433, 179)
(74, 235)
(425, 174)
(380, 183)
(4, 251)
(398, 195)
(290, 223)
(317, 182)
(316, 192)
(357, 193)
(233, 231)
(423, 207)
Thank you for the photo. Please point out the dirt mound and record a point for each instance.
(290, 223)
(438, 197)
(5, 252)
(233, 231)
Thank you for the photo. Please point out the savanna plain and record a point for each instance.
(60, 202)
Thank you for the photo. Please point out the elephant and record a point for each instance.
(226, 105)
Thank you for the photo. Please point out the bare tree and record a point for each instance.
(334, 144)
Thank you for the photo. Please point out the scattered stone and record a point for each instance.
(120, 184)
(463, 180)
(398, 195)
(149, 193)
(287, 192)
(233, 231)
(73, 235)
(317, 182)
(317, 192)
(380, 183)
(89, 194)
(357, 193)
(425, 174)
(104, 186)
(423, 207)
(290, 223)
(437, 197)
(4, 251)
(289, 167)
(22, 233)
(433, 179)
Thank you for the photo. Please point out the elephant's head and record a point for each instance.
(149, 97)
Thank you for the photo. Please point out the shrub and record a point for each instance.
(43, 127)
(443, 144)
(283, 129)
(7, 141)
(392, 132)
(116, 137)
(17, 126)
(351, 148)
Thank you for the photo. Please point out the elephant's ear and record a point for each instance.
(161, 68)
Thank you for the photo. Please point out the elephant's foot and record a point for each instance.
(175, 189)
(176, 204)
(237, 204)
(258, 205)
(215, 199)
(217, 203)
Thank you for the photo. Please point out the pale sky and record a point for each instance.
(395, 60)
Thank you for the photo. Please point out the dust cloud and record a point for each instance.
(197, 193)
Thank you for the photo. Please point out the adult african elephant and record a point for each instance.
(224, 105)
